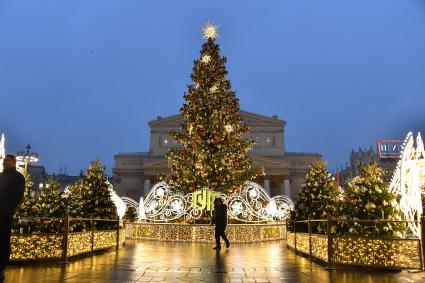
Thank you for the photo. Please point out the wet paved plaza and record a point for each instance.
(146, 261)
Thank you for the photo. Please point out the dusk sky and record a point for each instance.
(80, 79)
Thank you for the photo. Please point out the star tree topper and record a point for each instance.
(210, 31)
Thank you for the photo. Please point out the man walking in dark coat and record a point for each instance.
(220, 220)
(12, 187)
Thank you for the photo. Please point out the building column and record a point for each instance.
(147, 187)
(286, 188)
(267, 184)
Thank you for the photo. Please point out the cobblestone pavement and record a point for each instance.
(145, 261)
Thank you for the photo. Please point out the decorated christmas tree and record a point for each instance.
(91, 198)
(51, 204)
(27, 208)
(367, 198)
(214, 149)
(318, 197)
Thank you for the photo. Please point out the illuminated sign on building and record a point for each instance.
(389, 148)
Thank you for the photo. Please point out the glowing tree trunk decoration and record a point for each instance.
(408, 179)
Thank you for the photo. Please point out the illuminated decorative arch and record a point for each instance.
(251, 204)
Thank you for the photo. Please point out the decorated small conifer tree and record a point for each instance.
(367, 198)
(51, 204)
(91, 198)
(213, 153)
(318, 197)
(28, 208)
(130, 214)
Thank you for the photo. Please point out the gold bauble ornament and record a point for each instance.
(370, 205)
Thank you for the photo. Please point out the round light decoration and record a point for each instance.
(229, 128)
(206, 59)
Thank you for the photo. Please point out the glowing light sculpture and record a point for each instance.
(118, 202)
(408, 179)
(251, 205)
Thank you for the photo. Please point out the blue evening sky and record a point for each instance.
(80, 79)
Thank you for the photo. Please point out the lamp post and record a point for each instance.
(26, 157)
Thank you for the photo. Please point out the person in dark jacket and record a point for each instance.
(220, 220)
(12, 187)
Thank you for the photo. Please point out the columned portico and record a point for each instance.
(147, 186)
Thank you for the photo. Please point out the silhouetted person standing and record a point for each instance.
(220, 220)
(12, 187)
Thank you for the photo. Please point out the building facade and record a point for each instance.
(134, 174)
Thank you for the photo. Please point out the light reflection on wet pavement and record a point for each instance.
(148, 261)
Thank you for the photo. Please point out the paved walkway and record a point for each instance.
(141, 261)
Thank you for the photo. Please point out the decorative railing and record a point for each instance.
(237, 233)
(65, 243)
(406, 253)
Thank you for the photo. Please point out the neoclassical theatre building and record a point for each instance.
(135, 173)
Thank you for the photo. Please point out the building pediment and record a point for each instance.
(267, 162)
(250, 119)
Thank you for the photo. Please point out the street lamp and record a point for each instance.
(26, 157)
